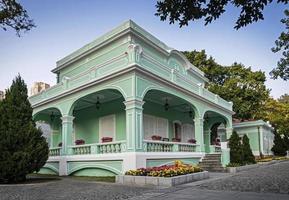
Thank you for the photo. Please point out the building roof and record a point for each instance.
(127, 27)
(251, 123)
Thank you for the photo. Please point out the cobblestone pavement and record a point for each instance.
(266, 183)
(70, 189)
(270, 179)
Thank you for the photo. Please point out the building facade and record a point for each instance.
(125, 101)
(260, 134)
(38, 87)
(2, 95)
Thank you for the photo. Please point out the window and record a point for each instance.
(107, 127)
(188, 132)
(155, 126)
(178, 130)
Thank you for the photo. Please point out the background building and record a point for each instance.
(2, 95)
(38, 87)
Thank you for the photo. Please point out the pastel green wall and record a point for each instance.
(252, 133)
(159, 162)
(96, 58)
(47, 171)
(87, 121)
(93, 172)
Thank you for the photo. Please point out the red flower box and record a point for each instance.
(156, 137)
(176, 139)
(193, 141)
(79, 142)
(106, 139)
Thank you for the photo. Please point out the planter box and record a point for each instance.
(161, 181)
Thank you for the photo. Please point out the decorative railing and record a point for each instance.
(111, 147)
(158, 146)
(55, 151)
(162, 146)
(99, 148)
(81, 149)
(188, 147)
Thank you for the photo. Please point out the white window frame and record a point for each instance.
(100, 127)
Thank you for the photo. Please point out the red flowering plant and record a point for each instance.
(79, 142)
(106, 139)
(156, 137)
(193, 141)
(179, 168)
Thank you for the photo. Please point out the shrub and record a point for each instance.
(248, 157)
(235, 148)
(23, 148)
(279, 148)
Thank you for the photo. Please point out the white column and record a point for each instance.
(134, 125)
(199, 133)
(67, 130)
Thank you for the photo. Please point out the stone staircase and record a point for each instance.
(212, 163)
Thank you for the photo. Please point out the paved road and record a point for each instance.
(266, 183)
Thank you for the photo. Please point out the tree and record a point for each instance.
(248, 157)
(279, 147)
(13, 15)
(235, 148)
(282, 45)
(184, 11)
(23, 148)
(236, 83)
(277, 113)
(284, 98)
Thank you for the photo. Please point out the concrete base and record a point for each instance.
(161, 181)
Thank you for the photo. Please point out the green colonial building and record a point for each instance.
(127, 100)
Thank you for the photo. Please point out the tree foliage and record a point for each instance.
(184, 11)
(277, 113)
(23, 148)
(13, 15)
(279, 148)
(236, 83)
(282, 45)
(248, 157)
(284, 98)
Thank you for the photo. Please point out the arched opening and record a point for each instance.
(214, 129)
(49, 121)
(99, 117)
(168, 117)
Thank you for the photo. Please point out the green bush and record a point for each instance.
(279, 148)
(235, 148)
(23, 148)
(248, 157)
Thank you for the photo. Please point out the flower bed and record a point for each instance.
(166, 170)
(165, 176)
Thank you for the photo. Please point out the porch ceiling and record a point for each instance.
(174, 102)
(90, 100)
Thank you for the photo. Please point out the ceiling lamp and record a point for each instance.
(52, 116)
(97, 105)
(166, 105)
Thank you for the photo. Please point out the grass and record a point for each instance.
(109, 179)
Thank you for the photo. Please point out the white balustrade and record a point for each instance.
(55, 151)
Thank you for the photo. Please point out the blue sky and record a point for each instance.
(66, 25)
